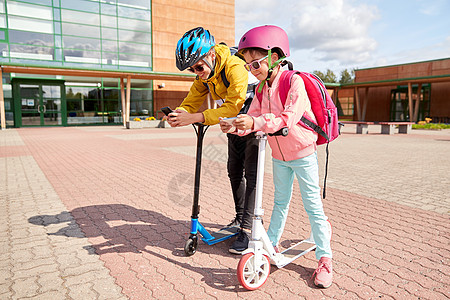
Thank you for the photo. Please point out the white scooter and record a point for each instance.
(254, 267)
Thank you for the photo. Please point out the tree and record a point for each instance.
(347, 77)
(328, 77)
(319, 74)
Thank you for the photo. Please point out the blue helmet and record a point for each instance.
(192, 47)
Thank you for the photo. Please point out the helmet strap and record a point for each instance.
(209, 65)
(212, 67)
(271, 68)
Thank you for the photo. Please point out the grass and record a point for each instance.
(432, 126)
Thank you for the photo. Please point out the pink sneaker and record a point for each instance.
(324, 273)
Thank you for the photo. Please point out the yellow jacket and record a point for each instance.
(234, 95)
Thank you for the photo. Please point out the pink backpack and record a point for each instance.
(327, 125)
(322, 105)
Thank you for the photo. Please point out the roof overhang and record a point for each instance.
(399, 81)
(95, 73)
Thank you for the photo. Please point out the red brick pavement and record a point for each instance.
(132, 199)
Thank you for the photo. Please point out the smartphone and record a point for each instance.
(166, 110)
(229, 120)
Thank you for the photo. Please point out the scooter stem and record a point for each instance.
(259, 211)
(200, 131)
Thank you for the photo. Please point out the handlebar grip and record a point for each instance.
(283, 131)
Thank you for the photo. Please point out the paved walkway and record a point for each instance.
(103, 213)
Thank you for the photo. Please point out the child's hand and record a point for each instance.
(243, 122)
(225, 126)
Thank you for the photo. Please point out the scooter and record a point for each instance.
(254, 266)
(196, 227)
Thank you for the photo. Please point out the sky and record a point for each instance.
(353, 34)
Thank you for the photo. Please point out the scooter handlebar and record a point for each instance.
(283, 131)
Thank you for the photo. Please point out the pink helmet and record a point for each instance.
(265, 37)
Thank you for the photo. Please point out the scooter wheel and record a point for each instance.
(250, 275)
(191, 246)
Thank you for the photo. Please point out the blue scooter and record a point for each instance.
(196, 227)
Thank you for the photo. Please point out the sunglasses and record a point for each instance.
(196, 68)
(255, 65)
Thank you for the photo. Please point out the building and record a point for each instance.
(102, 62)
(76, 62)
(406, 92)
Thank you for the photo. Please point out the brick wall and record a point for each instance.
(378, 108)
(171, 19)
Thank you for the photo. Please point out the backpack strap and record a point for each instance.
(285, 84)
(284, 87)
(224, 78)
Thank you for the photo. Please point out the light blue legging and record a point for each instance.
(306, 170)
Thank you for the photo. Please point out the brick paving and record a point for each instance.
(103, 213)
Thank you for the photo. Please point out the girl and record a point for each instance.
(295, 155)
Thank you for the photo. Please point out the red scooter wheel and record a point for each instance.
(250, 275)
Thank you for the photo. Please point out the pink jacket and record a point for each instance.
(269, 116)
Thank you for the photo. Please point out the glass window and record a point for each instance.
(80, 17)
(108, 9)
(81, 56)
(81, 43)
(109, 21)
(111, 93)
(110, 82)
(4, 50)
(51, 91)
(110, 46)
(29, 10)
(45, 2)
(134, 48)
(29, 91)
(140, 37)
(73, 92)
(110, 58)
(134, 13)
(138, 108)
(109, 33)
(58, 54)
(111, 105)
(81, 5)
(134, 24)
(80, 30)
(143, 4)
(2, 21)
(56, 14)
(30, 38)
(57, 26)
(141, 94)
(30, 24)
(7, 91)
(2, 6)
(2, 35)
(134, 60)
(31, 52)
(58, 41)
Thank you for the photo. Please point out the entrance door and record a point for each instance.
(40, 104)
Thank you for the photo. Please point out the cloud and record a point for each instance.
(427, 52)
(338, 29)
(432, 8)
(334, 29)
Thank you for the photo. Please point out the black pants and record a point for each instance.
(242, 167)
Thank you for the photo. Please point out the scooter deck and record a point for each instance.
(299, 249)
(221, 235)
